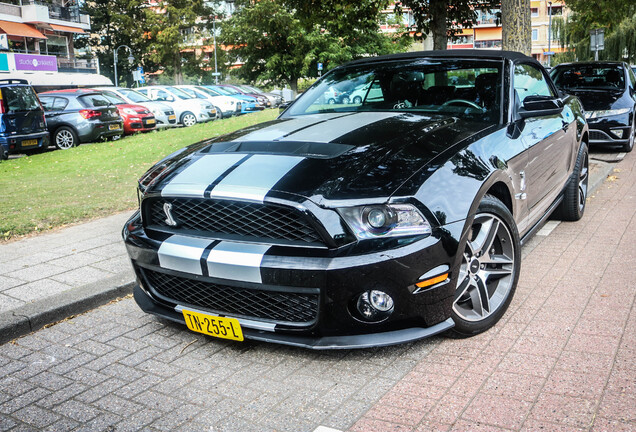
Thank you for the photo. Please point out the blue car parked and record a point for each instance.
(248, 103)
(22, 124)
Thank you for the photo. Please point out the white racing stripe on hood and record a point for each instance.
(255, 177)
(237, 261)
(182, 253)
(283, 128)
(194, 179)
(331, 130)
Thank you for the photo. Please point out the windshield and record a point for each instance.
(461, 88)
(134, 95)
(179, 93)
(208, 91)
(191, 92)
(227, 90)
(589, 76)
(113, 98)
(246, 89)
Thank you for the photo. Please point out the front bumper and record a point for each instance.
(336, 279)
(610, 130)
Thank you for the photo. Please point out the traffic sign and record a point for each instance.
(319, 66)
(549, 53)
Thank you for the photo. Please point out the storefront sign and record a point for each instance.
(4, 62)
(35, 62)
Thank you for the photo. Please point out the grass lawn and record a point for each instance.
(60, 187)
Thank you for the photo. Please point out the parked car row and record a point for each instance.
(67, 118)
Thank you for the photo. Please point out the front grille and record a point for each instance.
(168, 113)
(277, 306)
(210, 217)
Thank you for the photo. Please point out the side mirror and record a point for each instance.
(539, 106)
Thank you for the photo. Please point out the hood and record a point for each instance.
(321, 157)
(139, 108)
(596, 100)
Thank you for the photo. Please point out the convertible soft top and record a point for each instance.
(460, 53)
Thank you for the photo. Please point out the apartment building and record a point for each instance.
(36, 43)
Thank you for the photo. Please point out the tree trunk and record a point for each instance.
(178, 76)
(293, 83)
(516, 26)
(439, 12)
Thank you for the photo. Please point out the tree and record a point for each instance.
(174, 26)
(115, 23)
(620, 34)
(444, 18)
(516, 26)
(279, 44)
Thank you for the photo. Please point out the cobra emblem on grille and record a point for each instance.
(167, 209)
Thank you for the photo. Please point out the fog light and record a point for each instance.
(618, 133)
(374, 306)
(376, 218)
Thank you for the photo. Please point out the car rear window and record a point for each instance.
(93, 100)
(20, 98)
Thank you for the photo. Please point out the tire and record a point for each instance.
(65, 138)
(629, 146)
(346, 100)
(4, 154)
(357, 100)
(219, 114)
(114, 137)
(331, 101)
(573, 205)
(489, 270)
(188, 119)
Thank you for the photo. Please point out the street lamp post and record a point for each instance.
(549, 32)
(131, 59)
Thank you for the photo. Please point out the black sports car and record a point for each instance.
(373, 223)
(607, 91)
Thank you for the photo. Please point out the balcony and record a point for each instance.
(42, 11)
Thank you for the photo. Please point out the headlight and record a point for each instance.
(129, 111)
(157, 112)
(392, 220)
(605, 113)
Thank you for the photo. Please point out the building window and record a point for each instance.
(57, 45)
(535, 34)
(463, 40)
(534, 12)
(488, 44)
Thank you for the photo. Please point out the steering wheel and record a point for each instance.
(462, 101)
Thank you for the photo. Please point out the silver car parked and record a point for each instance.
(164, 114)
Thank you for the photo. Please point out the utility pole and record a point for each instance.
(131, 59)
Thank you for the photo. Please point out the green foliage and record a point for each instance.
(620, 34)
(116, 23)
(444, 18)
(172, 26)
(281, 41)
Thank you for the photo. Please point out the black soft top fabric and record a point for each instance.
(451, 54)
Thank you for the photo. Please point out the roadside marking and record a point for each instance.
(326, 429)
(548, 228)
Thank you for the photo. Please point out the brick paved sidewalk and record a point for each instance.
(36, 270)
(564, 355)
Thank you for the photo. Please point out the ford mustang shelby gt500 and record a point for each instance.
(380, 221)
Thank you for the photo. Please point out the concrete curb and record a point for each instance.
(33, 316)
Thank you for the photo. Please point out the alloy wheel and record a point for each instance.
(486, 274)
(64, 139)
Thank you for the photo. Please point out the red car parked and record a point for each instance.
(136, 117)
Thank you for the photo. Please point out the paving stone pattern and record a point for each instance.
(35, 268)
(562, 359)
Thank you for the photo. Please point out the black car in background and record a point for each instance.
(79, 116)
(22, 123)
(373, 223)
(608, 93)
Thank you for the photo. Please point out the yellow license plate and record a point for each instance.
(29, 143)
(113, 127)
(172, 117)
(225, 328)
(150, 121)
